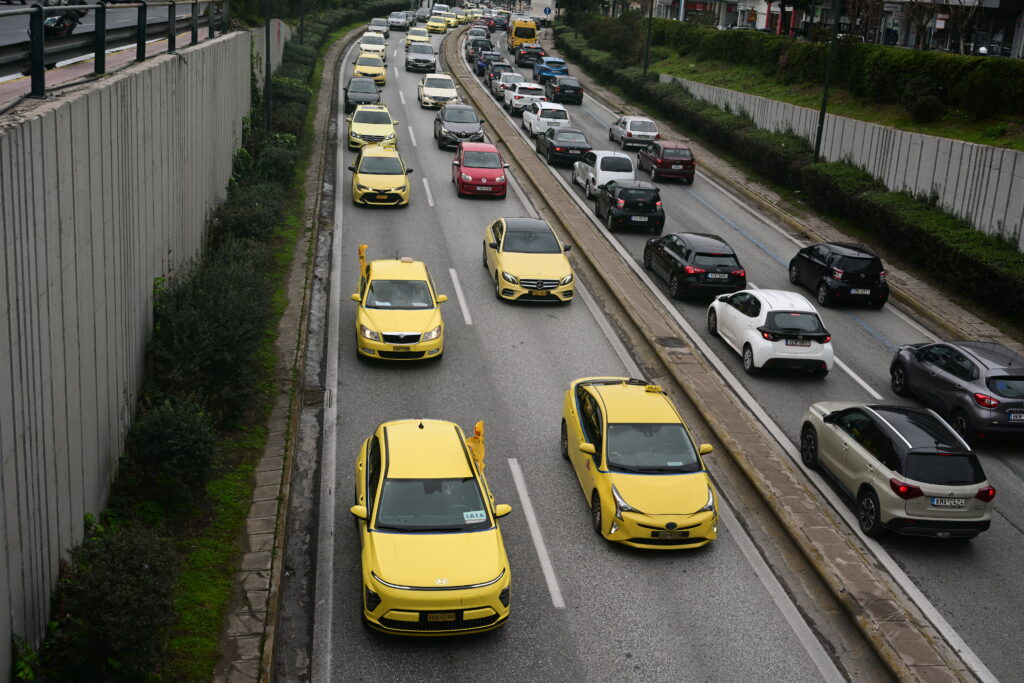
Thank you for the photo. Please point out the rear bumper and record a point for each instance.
(841, 291)
(696, 286)
(653, 220)
(565, 157)
(684, 173)
(939, 528)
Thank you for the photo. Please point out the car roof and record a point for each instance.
(602, 153)
(918, 428)
(672, 144)
(478, 147)
(372, 107)
(552, 105)
(361, 79)
(702, 240)
(636, 118)
(634, 402)
(425, 449)
(569, 129)
(531, 46)
(782, 299)
(545, 60)
(635, 184)
(992, 355)
(517, 224)
(379, 151)
(529, 85)
(403, 268)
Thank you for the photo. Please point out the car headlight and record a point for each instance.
(509, 277)
(566, 280)
(401, 188)
(390, 137)
(368, 333)
(444, 131)
(363, 188)
(500, 179)
(466, 177)
(432, 335)
(621, 505)
(710, 505)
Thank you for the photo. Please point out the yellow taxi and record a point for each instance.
(526, 260)
(461, 15)
(450, 20)
(371, 124)
(371, 66)
(433, 560)
(379, 177)
(399, 314)
(416, 35)
(437, 24)
(638, 465)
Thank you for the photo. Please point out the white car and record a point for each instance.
(637, 131)
(436, 90)
(505, 81)
(771, 328)
(539, 116)
(521, 95)
(374, 44)
(597, 167)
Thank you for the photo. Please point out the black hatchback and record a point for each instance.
(630, 203)
(529, 54)
(695, 263)
(564, 89)
(360, 90)
(840, 271)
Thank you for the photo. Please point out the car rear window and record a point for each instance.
(671, 153)
(568, 82)
(554, 114)
(945, 469)
(525, 32)
(1006, 387)
(853, 264)
(713, 260)
(632, 195)
(570, 136)
(619, 164)
(798, 321)
(643, 126)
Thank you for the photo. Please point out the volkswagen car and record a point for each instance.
(478, 169)
(379, 177)
(527, 261)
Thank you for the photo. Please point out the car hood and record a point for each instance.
(422, 57)
(369, 70)
(457, 127)
(383, 182)
(373, 48)
(425, 560)
(384, 320)
(363, 97)
(384, 129)
(540, 266)
(676, 494)
(440, 92)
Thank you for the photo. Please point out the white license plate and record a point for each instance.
(718, 276)
(949, 502)
(639, 219)
(676, 167)
(860, 291)
(1015, 417)
(574, 151)
(484, 189)
(797, 342)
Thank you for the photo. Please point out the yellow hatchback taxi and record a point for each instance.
(638, 465)
(399, 315)
(379, 177)
(416, 35)
(527, 261)
(437, 24)
(371, 124)
(371, 66)
(433, 560)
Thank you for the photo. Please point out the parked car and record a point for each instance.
(549, 67)
(597, 167)
(905, 467)
(771, 328)
(527, 261)
(521, 95)
(457, 123)
(564, 89)
(630, 203)
(840, 271)
(635, 131)
(421, 57)
(505, 81)
(539, 116)
(478, 169)
(360, 90)
(978, 386)
(666, 159)
(529, 54)
(695, 263)
(562, 144)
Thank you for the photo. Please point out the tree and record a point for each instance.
(962, 15)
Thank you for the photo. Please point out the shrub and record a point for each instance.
(300, 72)
(276, 158)
(290, 90)
(251, 211)
(170, 449)
(113, 605)
(288, 117)
(294, 51)
(926, 109)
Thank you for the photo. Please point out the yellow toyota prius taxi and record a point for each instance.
(379, 177)
(638, 465)
(433, 561)
(399, 316)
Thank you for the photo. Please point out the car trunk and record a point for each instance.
(639, 201)
(794, 332)
(719, 269)
(949, 483)
(676, 159)
(858, 272)
(1009, 391)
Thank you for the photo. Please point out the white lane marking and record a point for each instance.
(538, 539)
(395, 69)
(401, 96)
(430, 197)
(518, 189)
(412, 137)
(395, 54)
(620, 349)
(462, 299)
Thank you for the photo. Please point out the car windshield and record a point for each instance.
(643, 126)
(798, 321)
(369, 61)
(398, 294)
(378, 117)
(1007, 387)
(372, 40)
(381, 166)
(362, 86)
(421, 48)
(378, 22)
(460, 116)
(945, 469)
(554, 114)
(670, 153)
(617, 164)
(654, 448)
(570, 136)
(432, 505)
(531, 242)
(398, 15)
(481, 160)
(438, 83)
(715, 260)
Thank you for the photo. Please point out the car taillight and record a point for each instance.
(837, 274)
(559, 149)
(658, 203)
(827, 339)
(986, 401)
(770, 336)
(620, 203)
(905, 491)
(693, 270)
(881, 277)
(517, 97)
(543, 99)
(558, 89)
(739, 273)
(629, 133)
(659, 161)
(986, 494)
(657, 136)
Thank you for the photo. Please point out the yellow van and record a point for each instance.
(521, 31)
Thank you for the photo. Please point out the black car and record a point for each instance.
(630, 203)
(695, 263)
(840, 271)
(476, 45)
(500, 23)
(456, 123)
(562, 144)
(529, 54)
(564, 89)
(494, 70)
(421, 57)
(360, 90)
(484, 60)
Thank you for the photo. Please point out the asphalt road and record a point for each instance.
(603, 612)
(974, 585)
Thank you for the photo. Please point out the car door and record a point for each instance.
(731, 317)
(848, 454)
(457, 164)
(592, 431)
(659, 255)
(494, 238)
(603, 197)
(586, 167)
(675, 256)
(645, 157)
(952, 381)
(929, 373)
(815, 265)
(615, 131)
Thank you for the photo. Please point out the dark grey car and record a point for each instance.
(421, 57)
(979, 386)
(360, 90)
(457, 123)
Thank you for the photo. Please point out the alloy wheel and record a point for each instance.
(809, 448)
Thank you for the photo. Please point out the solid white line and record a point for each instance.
(401, 96)
(462, 299)
(430, 197)
(538, 539)
(857, 378)
(412, 138)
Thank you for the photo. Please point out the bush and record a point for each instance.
(289, 117)
(294, 51)
(300, 72)
(290, 90)
(251, 211)
(276, 158)
(170, 449)
(926, 109)
(113, 605)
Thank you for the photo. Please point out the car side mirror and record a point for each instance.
(566, 247)
(493, 245)
(502, 509)
(506, 165)
(408, 171)
(705, 449)
(359, 511)
(829, 419)
(348, 119)
(395, 122)
(356, 298)
(352, 168)
(455, 162)
(587, 448)
(441, 298)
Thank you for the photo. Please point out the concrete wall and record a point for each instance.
(102, 189)
(280, 33)
(982, 184)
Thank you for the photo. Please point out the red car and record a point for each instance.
(478, 169)
(666, 159)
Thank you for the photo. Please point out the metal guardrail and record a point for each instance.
(39, 51)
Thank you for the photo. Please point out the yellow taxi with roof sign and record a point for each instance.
(437, 24)
(371, 124)
(371, 66)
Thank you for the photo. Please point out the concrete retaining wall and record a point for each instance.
(101, 190)
(982, 184)
(280, 33)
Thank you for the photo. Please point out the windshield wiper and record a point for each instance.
(435, 529)
(392, 527)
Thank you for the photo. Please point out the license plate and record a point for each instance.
(382, 196)
(797, 342)
(676, 167)
(670, 534)
(860, 291)
(539, 293)
(441, 616)
(1015, 417)
(403, 348)
(574, 151)
(639, 219)
(484, 189)
(718, 276)
(949, 502)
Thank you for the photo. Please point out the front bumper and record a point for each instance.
(386, 351)
(429, 67)
(449, 139)
(437, 613)
(641, 531)
(939, 528)
(483, 189)
(355, 141)
(566, 157)
(562, 293)
(381, 198)
(436, 103)
(437, 29)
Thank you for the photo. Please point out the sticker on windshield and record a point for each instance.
(474, 516)
(674, 464)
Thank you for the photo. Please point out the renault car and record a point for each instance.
(370, 66)
(640, 469)
(371, 124)
(379, 177)
(527, 261)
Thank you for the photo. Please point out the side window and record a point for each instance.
(937, 355)
(753, 307)
(597, 422)
(586, 409)
(960, 367)
(588, 159)
(372, 472)
(739, 301)
(819, 252)
(858, 426)
(496, 231)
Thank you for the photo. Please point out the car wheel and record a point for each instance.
(611, 138)
(869, 516)
(712, 323)
(823, 295)
(586, 190)
(809, 447)
(551, 159)
(654, 174)
(962, 425)
(794, 276)
(485, 255)
(440, 144)
(608, 221)
(675, 287)
(595, 514)
(898, 380)
(622, 144)
(748, 360)
(647, 259)
(565, 441)
(497, 285)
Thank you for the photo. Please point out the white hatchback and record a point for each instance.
(636, 131)
(539, 116)
(772, 328)
(520, 95)
(597, 167)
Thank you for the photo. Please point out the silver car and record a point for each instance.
(906, 468)
(633, 131)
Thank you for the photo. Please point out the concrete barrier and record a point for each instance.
(102, 190)
(982, 184)
(280, 33)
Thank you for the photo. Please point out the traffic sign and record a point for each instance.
(547, 10)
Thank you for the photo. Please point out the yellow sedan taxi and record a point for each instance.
(379, 177)
(433, 560)
(416, 35)
(371, 66)
(638, 465)
(437, 24)
(399, 314)
(371, 124)
(451, 21)
(526, 260)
